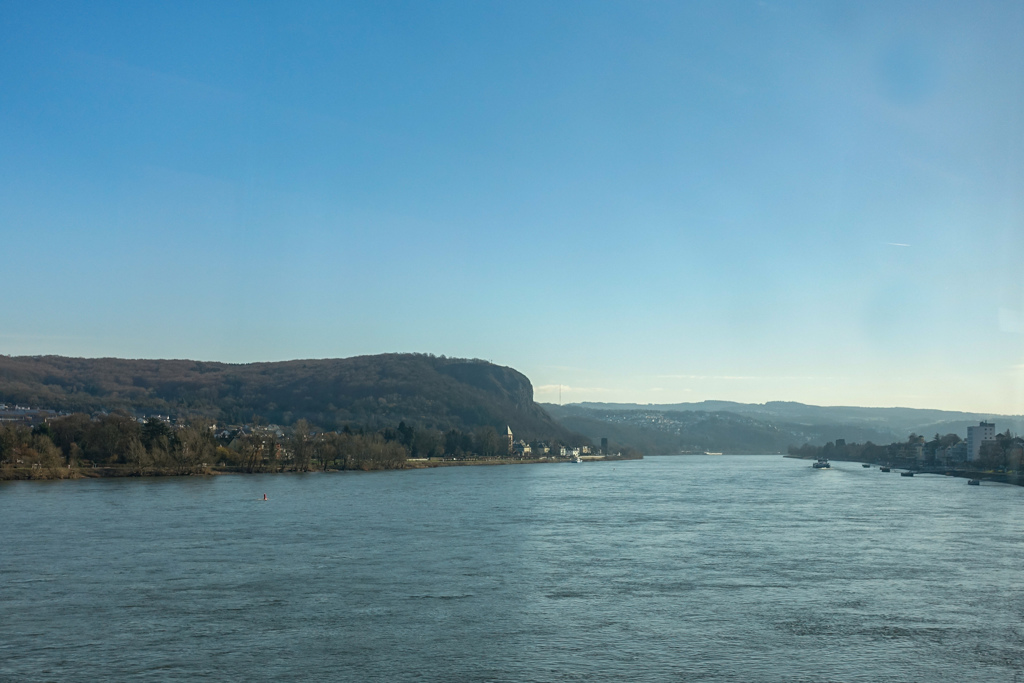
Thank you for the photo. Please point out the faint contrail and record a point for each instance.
(897, 244)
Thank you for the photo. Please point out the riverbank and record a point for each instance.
(1014, 478)
(419, 463)
(10, 473)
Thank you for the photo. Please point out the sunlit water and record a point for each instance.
(666, 569)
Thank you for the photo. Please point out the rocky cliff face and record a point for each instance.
(505, 382)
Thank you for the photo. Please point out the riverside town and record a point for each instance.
(983, 454)
(37, 443)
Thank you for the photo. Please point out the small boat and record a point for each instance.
(821, 464)
(864, 464)
(906, 474)
(974, 482)
(577, 459)
(884, 469)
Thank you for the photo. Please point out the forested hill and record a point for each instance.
(423, 390)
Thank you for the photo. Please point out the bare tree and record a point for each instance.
(302, 446)
(193, 446)
(137, 456)
(250, 452)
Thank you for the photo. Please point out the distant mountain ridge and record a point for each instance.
(772, 427)
(900, 421)
(420, 389)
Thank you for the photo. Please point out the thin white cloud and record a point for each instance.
(716, 80)
(897, 244)
(138, 75)
(758, 378)
(567, 389)
(41, 336)
(728, 377)
(1011, 321)
(935, 170)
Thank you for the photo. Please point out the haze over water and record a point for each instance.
(666, 569)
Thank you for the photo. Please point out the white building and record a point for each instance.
(985, 431)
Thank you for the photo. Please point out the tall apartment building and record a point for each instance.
(985, 431)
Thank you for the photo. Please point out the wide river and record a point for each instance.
(710, 568)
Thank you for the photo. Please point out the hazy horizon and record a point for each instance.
(654, 203)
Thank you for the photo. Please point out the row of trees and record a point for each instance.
(118, 439)
(433, 443)
(115, 439)
(342, 450)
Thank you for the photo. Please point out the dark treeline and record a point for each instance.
(117, 440)
(870, 452)
(1004, 453)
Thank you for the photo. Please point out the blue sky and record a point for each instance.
(651, 202)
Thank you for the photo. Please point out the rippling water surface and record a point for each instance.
(711, 568)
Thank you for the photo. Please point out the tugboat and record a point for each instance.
(821, 464)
